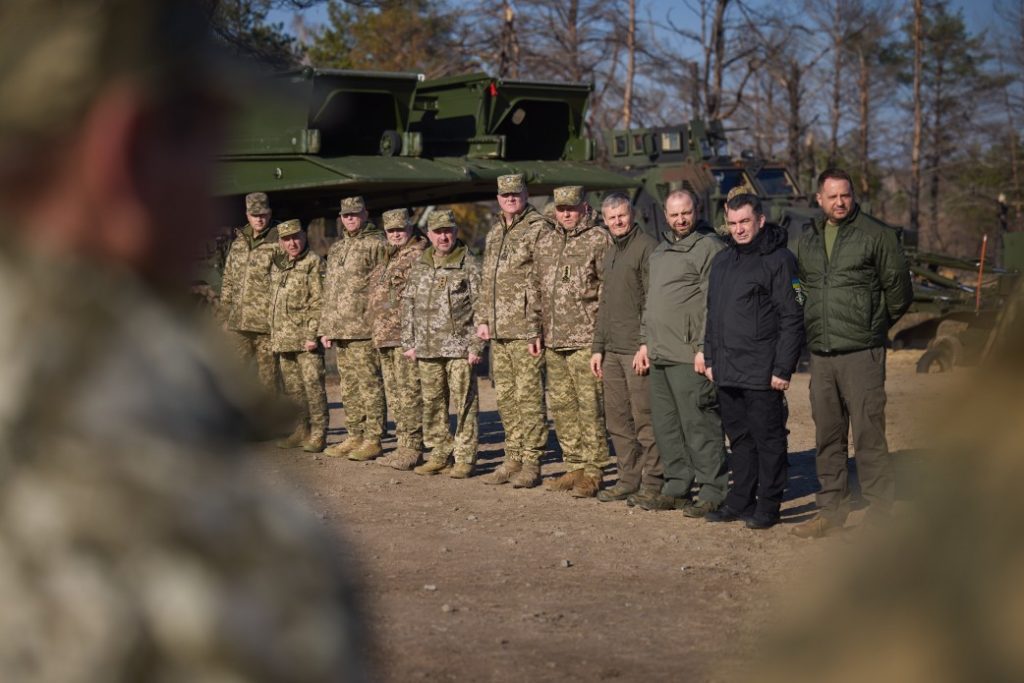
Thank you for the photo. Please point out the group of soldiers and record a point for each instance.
(662, 347)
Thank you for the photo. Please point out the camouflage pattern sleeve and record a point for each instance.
(229, 283)
(315, 284)
(482, 308)
(533, 295)
(408, 298)
(475, 344)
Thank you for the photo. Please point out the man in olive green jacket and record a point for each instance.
(856, 284)
(345, 325)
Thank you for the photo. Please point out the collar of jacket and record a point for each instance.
(254, 240)
(580, 228)
(415, 242)
(282, 261)
(520, 217)
(365, 231)
(622, 240)
(687, 241)
(819, 223)
(454, 258)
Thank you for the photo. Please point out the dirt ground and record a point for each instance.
(476, 583)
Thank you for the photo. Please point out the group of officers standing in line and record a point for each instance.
(663, 346)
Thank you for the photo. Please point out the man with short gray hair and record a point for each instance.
(627, 401)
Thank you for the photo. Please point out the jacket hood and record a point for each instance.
(367, 229)
(770, 238)
(453, 258)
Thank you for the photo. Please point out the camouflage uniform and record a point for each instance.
(437, 321)
(509, 305)
(245, 293)
(344, 321)
(570, 269)
(401, 379)
(295, 314)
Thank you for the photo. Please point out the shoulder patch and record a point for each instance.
(799, 291)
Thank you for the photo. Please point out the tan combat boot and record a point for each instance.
(433, 466)
(367, 450)
(566, 482)
(504, 473)
(815, 527)
(527, 477)
(587, 486)
(295, 439)
(343, 448)
(462, 470)
(405, 459)
(316, 441)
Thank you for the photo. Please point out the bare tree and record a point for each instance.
(915, 154)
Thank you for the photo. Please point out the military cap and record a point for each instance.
(511, 183)
(441, 218)
(396, 219)
(289, 228)
(352, 205)
(256, 203)
(570, 195)
(738, 190)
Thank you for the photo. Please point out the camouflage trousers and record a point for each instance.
(444, 381)
(576, 400)
(254, 349)
(520, 394)
(303, 375)
(402, 391)
(362, 392)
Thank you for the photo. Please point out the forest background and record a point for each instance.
(921, 100)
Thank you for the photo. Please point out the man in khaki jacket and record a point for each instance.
(345, 325)
(508, 314)
(570, 267)
(296, 275)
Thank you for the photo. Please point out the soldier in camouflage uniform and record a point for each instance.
(437, 331)
(401, 378)
(245, 289)
(344, 324)
(508, 312)
(137, 543)
(570, 268)
(297, 278)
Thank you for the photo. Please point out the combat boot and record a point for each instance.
(343, 448)
(566, 482)
(295, 439)
(527, 477)
(367, 450)
(587, 486)
(617, 492)
(815, 527)
(433, 466)
(316, 441)
(504, 473)
(405, 459)
(462, 470)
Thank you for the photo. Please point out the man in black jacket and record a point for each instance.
(857, 284)
(752, 343)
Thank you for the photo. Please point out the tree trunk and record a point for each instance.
(864, 90)
(795, 124)
(915, 152)
(627, 95)
(837, 90)
(714, 100)
(935, 156)
(508, 56)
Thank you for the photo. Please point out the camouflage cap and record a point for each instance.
(570, 195)
(441, 218)
(396, 219)
(257, 203)
(738, 190)
(289, 228)
(515, 182)
(353, 205)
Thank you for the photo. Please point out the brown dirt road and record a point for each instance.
(469, 582)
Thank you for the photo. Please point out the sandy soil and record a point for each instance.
(474, 583)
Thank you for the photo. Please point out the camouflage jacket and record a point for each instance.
(349, 263)
(438, 304)
(570, 268)
(387, 283)
(141, 473)
(298, 295)
(509, 295)
(245, 288)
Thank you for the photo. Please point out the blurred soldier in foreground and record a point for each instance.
(345, 325)
(752, 342)
(401, 379)
(134, 543)
(857, 284)
(245, 289)
(570, 267)
(508, 312)
(684, 404)
(627, 398)
(438, 333)
(297, 277)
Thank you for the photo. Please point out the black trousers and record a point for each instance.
(755, 422)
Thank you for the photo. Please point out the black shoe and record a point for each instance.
(723, 514)
(762, 522)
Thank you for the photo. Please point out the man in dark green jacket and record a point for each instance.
(856, 284)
